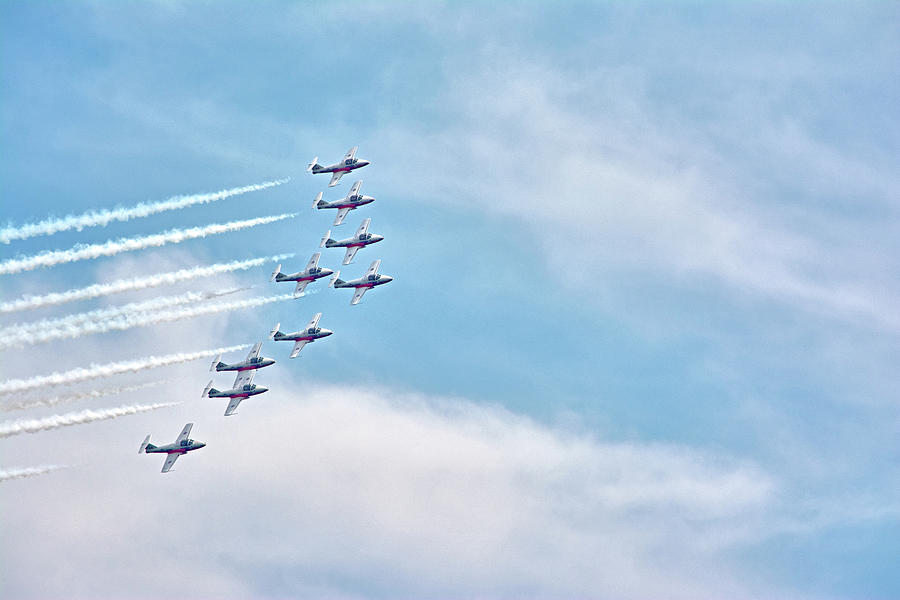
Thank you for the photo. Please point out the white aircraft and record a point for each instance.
(338, 169)
(182, 445)
(312, 272)
(243, 388)
(351, 201)
(311, 333)
(353, 244)
(253, 361)
(363, 284)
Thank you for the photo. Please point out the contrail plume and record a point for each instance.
(23, 472)
(88, 395)
(135, 283)
(95, 371)
(71, 325)
(102, 314)
(22, 337)
(19, 338)
(10, 428)
(51, 258)
(143, 209)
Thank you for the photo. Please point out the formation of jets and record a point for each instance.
(243, 386)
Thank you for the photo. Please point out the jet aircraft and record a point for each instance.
(310, 273)
(253, 361)
(352, 244)
(243, 388)
(338, 169)
(311, 333)
(363, 284)
(182, 445)
(351, 201)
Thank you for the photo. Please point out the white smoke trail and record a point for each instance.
(104, 217)
(88, 395)
(71, 325)
(23, 337)
(95, 371)
(135, 283)
(23, 472)
(84, 252)
(10, 428)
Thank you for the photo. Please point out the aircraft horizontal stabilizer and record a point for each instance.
(207, 389)
(144, 444)
(314, 163)
(215, 362)
(325, 238)
(274, 331)
(335, 279)
(276, 272)
(317, 199)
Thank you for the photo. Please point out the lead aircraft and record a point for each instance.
(312, 272)
(363, 284)
(243, 388)
(361, 238)
(311, 333)
(182, 445)
(351, 201)
(338, 169)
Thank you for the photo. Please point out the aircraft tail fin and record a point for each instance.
(317, 201)
(216, 362)
(208, 389)
(326, 239)
(311, 167)
(336, 279)
(146, 444)
(274, 331)
(276, 273)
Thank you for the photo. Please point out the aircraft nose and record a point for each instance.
(326, 332)
(388, 278)
(201, 444)
(378, 238)
(363, 162)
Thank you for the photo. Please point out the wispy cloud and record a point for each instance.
(134, 283)
(11, 428)
(113, 247)
(144, 209)
(13, 386)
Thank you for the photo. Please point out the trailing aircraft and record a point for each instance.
(310, 333)
(253, 361)
(243, 388)
(363, 284)
(353, 244)
(312, 272)
(182, 445)
(350, 202)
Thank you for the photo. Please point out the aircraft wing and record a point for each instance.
(184, 433)
(335, 178)
(298, 346)
(232, 406)
(313, 261)
(170, 460)
(301, 285)
(342, 212)
(243, 378)
(255, 352)
(355, 189)
(351, 152)
(348, 256)
(314, 322)
(373, 268)
(364, 227)
(357, 295)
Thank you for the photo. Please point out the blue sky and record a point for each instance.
(641, 340)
